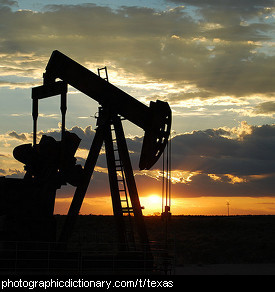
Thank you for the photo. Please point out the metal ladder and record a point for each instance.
(125, 203)
(126, 208)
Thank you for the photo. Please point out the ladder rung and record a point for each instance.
(130, 209)
(127, 210)
(122, 190)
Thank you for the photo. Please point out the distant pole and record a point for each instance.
(228, 204)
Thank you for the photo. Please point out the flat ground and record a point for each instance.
(226, 269)
(198, 244)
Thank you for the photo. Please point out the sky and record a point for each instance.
(211, 60)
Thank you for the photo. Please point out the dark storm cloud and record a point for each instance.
(213, 152)
(203, 185)
(223, 162)
(247, 150)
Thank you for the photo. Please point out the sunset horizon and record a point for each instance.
(202, 206)
(211, 61)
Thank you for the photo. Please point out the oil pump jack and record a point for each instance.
(50, 164)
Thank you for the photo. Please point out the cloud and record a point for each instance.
(18, 136)
(86, 135)
(203, 185)
(247, 150)
(244, 8)
(219, 49)
(265, 108)
(240, 151)
(225, 162)
(205, 50)
(8, 3)
(14, 173)
(237, 161)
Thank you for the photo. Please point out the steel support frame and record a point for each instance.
(104, 135)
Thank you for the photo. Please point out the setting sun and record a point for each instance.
(154, 200)
(152, 204)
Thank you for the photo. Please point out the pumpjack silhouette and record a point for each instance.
(27, 205)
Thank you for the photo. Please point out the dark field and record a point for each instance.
(192, 239)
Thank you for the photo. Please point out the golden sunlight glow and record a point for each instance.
(179, 206)
(152, 204)
(154, 200)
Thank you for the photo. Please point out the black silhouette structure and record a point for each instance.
(28, 204)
